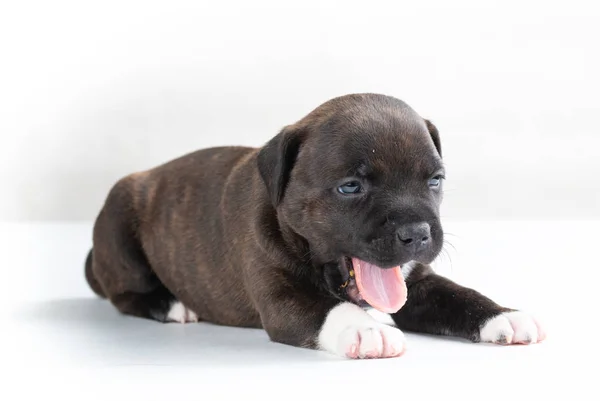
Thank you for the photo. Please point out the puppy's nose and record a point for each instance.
(415, 235)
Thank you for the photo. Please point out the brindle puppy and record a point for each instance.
(338, 212)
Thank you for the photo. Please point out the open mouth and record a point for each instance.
(382, 288)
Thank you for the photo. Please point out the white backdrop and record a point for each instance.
(90, 91)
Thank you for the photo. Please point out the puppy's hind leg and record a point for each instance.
(117, 267)
(158, 304)
(133, 289)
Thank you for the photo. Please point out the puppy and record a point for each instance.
(337, 213)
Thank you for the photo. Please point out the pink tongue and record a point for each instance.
(383, 289)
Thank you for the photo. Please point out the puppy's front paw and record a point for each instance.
(371, 341)
(512, 328)
(350, 332)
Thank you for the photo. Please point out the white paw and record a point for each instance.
(512, 328)
(180, 314)
(351, 332)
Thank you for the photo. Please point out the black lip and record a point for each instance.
(347, 261)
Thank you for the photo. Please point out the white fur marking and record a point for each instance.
(512, 328)
(349, 331)
(180, 314)
(407, 268)
(191, 316)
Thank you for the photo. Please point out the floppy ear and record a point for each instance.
(435, 135)
(276, 160)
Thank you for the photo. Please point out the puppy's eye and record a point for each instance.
(435, 181)
(352, 187)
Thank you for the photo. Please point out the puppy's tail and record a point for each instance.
(89, 276)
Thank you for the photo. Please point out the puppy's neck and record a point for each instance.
(295, 243)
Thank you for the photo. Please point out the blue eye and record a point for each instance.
(435, 181)
(352, 187)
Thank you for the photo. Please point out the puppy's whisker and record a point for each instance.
(450, 234)
(446, 242)
(447, 254)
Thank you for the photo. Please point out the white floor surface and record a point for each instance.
(60, 340)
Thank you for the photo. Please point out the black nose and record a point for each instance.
(415, 235)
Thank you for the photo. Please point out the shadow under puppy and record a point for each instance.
(336, 213)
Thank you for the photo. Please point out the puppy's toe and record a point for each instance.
(394, 341)
(371, 343)
(349, 343)
(179, 313)
(497, 330)
(540, 329)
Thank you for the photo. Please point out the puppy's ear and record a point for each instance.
(276, 160)
(435, 135)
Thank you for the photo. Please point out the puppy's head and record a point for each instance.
(360, 180)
